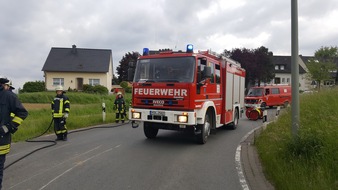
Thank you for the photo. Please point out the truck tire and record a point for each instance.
(205, 128)
(149, 131)
(234, 124)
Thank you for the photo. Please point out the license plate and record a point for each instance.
(160, 113)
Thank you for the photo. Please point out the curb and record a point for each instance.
(248, 165)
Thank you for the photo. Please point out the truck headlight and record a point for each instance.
(183, 118)
(136, 115)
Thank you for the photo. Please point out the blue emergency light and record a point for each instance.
(190, 48)
(145, 51)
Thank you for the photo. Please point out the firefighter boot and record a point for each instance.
(59, 137)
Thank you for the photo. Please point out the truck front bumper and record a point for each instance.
(137, 115)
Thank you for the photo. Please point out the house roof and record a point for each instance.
(78, 60)
(286, 61)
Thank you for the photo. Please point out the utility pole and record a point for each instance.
(294, 69)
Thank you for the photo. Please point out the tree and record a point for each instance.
(257, 63)
(122, 69)
(323, 65)
(265, 68)
(115, 80)
(37, 86)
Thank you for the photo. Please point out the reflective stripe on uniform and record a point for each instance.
(17, 120)
(4, 149)
(61, 131)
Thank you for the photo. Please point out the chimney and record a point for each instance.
(74, 51)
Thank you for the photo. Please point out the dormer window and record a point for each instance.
(276, 67)
(282, 67)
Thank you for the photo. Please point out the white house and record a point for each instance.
(74, 67)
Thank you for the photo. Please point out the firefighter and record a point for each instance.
(8, 86)
(120, 108)
(60, 110)
(9, 103)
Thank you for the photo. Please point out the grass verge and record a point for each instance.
(86, 110)
(309, 161)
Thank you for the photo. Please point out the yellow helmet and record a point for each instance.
(119, 93)
(59, 87)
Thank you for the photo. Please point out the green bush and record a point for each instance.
(128, 89)
(37, 86)
(97, 89)
(124, 84)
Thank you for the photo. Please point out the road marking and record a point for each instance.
(241, 176)
(76, 165)
(239, 168)
(61, 163)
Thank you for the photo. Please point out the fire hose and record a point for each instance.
(53, 142)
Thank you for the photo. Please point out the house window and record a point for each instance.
(283, 80)
(282, 67)
(94, 82)
(276, 67)
(58, 81)
(288, 80)
(277, 80)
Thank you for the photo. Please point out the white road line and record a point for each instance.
(241, 176)
(77, 164)
(61, 163)
(239, 168)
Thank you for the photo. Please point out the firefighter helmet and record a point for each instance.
(9, 83)
(59, 88)
(3, 80)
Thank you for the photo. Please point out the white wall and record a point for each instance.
(70, 79)
(305, 84)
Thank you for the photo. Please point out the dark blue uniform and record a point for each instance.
(9, 103)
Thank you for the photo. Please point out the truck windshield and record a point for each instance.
(176, 69)
(255, 92)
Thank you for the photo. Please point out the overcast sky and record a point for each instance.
(29, 28)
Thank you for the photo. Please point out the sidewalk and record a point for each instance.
(251, 164)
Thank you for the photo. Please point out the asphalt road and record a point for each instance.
(122, 158)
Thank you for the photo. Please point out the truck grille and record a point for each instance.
(250, 101)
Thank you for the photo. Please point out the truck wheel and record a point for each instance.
(149, 131)
(202, 137)
(234, 124)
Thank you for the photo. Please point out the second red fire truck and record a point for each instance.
(194, 92)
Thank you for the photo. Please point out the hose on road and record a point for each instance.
(53, 142)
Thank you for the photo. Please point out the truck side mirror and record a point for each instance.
(131, 72)
(207, 72)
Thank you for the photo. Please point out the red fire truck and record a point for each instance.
(193, 92)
